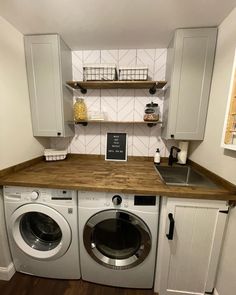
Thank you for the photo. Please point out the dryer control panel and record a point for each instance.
(103, 200)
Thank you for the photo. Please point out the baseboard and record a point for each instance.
(7, 272)
(215, 292)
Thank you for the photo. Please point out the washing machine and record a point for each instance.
(43, 231)
(118, 238)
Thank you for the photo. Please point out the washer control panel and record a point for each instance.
(39, 195)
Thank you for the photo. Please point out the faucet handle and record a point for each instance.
(175, 148)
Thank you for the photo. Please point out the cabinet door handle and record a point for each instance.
(171, 227)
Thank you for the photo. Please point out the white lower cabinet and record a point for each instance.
(190, 238)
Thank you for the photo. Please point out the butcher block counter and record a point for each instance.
(93, 173)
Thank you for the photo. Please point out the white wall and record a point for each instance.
(209, 153)
(17, 143)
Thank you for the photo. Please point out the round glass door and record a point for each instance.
(117, 239)
(40, 231)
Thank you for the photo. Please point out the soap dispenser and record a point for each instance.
(157, 157)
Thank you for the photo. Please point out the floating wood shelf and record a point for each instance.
(84, 85)
(149, 123)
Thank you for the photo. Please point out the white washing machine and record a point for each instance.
(42, 226)
(118, 238)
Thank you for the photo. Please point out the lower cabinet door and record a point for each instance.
(190, 238)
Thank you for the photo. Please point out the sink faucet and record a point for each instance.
(173, 159)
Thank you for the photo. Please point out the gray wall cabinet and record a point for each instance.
(49, 66)
(190, 59)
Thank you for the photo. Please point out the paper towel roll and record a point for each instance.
(182, 155)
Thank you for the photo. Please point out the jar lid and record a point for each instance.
(149, 111)
(152, 105)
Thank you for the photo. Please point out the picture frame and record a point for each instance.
(116, 146)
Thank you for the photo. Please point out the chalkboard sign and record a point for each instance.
(116, 147)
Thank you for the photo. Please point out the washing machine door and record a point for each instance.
(117, 239)
(40, 231)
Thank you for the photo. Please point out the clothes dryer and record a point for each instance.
(118, 238)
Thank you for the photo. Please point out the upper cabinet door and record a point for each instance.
(44, 66)
(189, 69)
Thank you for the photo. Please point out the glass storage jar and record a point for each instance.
(80, 110)
(151, 112)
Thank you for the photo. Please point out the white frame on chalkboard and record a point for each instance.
(126, 149)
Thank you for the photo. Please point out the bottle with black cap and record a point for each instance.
(157, 157)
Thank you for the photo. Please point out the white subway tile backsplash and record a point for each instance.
(109, 56)
(127, 58)
(93, 139)
(146, 57)
(77, 65)
(91, 56)
(160, 64)
(141, 140)
(109, 103)
(78, 143)
(155, 141)
(125, 105)
(93, 100)
(119, 104)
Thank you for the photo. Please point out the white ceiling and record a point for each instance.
(92, 24)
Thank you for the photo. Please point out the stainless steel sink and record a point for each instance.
(184, 176)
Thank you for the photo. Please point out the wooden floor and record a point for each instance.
(21, 284)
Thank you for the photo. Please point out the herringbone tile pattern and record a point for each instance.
(119, 104)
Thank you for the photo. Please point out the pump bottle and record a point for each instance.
(157, 157)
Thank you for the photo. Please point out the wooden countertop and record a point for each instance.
(81, 172)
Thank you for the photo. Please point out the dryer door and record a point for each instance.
(117, 239)
(40, 231)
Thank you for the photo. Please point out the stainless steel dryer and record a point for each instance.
(118, 238)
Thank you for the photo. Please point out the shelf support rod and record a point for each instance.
(81, 123)
(153, 89)
(83, 90)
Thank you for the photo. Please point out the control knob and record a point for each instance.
(116, 200)
(34, 195)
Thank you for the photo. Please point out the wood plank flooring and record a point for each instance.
(21, 284)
